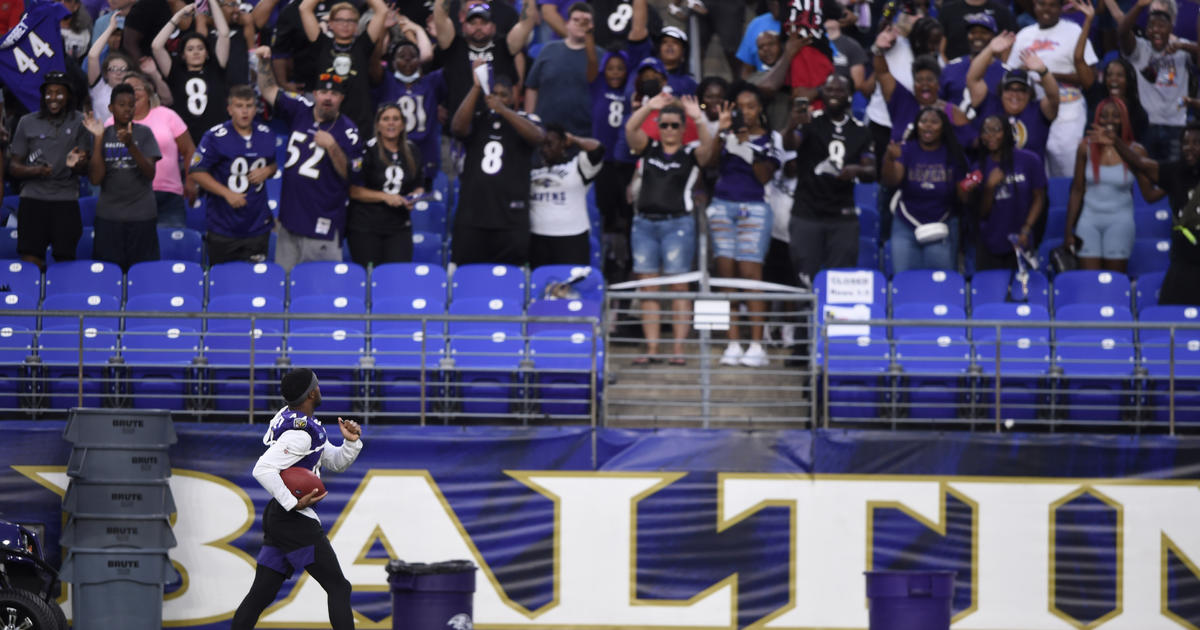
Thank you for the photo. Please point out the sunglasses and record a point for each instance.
(669, 125)
(336, 78)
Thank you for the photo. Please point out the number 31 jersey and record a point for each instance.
(228, 157)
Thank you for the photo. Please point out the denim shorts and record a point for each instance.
(740, 230)
(664, 246)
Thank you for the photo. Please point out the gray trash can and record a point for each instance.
(118, 465)
(117, 589)
(119, 500)
(436, 596)
(910, 600)
(120, 428)
(104, 533)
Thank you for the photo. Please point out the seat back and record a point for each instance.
(484, 280)
(184, 244)
(1091, 287)
(1011, 312)
(165, 276)
(590, 287)
(18, 276)
(328, 278)
(1095, 313)
(233, 278)
(398, 280)
(84, 276)
(931, 287)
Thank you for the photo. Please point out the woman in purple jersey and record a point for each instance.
(1008, 197)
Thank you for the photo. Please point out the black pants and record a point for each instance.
(985, 260)
(559, 250)
(223, 249)
(823, 244)
(45, 223)
(882, 136)
(611, 182)
(124, 243)
(378, 248)
(480, 245)
(289, 531)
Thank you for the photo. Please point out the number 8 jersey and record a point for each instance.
(314, 196)
(495, 178)
(229, 157)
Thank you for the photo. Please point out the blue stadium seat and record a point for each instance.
(427, 248)
(934, 360)
(487, 307)
(18, 301)
(197, 216)
(180, 244)
(1169, 314)
(1152, 223)
(165, 276)
(868, 222)
(1021, 357)
(9, 205)
(180, 305)
(83, 249)
(857, 369)
(562, 366)
(327, 278)
(227, 347)
(865, 195)
(80, 302)
(590, 287)
(487, 359)
(933, 287)
(1091, 287)
(952, 314)
(84, 276)
(8, 242)
(1043, 252)
(429, 216)
(392, 280)
(334, 353)
(16, 376)
(87, 211)
(18, 276)
(159, 363)
(441, 185)
(407, 350)
(850, 294)
(997, 286)
(868, 252)
(885, 258)
(233, 278)
(59, 350)
(274, 189)
(1097, 378)
(1095, 313)
(1148, 285)
(488, 281)
(1149, 255)
(1056, 222)
(1179, 385)
(1058, 191)
(563, 308)
(329, 304)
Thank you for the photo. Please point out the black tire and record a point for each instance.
(18, 608)
(60, 617)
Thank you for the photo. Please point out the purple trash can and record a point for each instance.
(910, 600)
(433, 596)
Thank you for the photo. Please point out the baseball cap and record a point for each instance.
(480, 10)
(651, 63)
(56, 78)
(981, 19)
(1017, 75)
(673, 31)
(327, 81)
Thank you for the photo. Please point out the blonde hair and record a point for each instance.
(147, 84)
(344, 6)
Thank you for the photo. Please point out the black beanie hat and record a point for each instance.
(296, 385)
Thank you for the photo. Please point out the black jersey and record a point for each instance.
(495, 180)
(388, 172)
(827, 147)
(350, 62)
(199, 96)
(457, 70)
(667, 180)
(613, 19)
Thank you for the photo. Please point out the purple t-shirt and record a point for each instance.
(735, 176)
(418, 102)
(609, 113)
(928, 191)
(1030, 128)
(904, 109)
(1013, 198)
(954, 86)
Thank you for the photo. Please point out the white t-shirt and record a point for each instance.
(1161, 98)
(779, 191)
(1056, 47)
(558, 196)
(900, 60)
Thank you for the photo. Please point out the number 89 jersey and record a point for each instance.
(228, 157)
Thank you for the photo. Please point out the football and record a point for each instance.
(301, 481)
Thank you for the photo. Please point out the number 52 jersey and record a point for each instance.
(229, 157)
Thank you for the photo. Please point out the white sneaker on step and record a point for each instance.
(755, 356)
(732, 354)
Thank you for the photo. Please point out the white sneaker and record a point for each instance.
(733, 353)
(755, 356)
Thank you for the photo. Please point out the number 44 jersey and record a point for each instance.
(229, 157)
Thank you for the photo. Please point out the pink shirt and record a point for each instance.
(166, 125)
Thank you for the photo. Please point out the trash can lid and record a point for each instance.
(397, 566)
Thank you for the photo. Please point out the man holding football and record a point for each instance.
(292, 534)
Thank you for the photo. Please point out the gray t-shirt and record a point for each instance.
(126, 194)
(847, 53)
(560, 76)
(1160, 97)
(40, 141)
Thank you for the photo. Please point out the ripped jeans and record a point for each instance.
(740, 230)
(664, 246)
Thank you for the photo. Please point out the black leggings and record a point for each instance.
(279, 525)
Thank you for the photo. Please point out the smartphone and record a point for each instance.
(201, 6)
(120, 19)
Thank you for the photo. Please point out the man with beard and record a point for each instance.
(49, 151)
(292, 534)
(479, 41)
(1181, 180)
(981, 29)
(834, 150)
(323, 150)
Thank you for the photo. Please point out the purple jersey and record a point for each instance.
(1030, 128)
(735, 176)
(31, 49)
(904, 109)
(928, 190)
(954, 86)
(290, 420)
(314, 196)
(609, 109)
(229, 157)
(1013, 198)
(418, 102)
